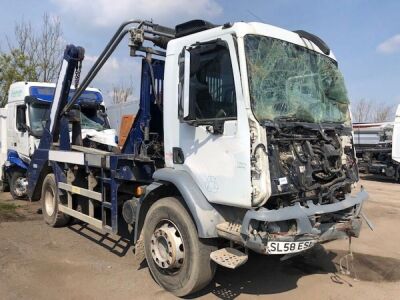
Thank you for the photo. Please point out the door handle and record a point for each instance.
(177, 155)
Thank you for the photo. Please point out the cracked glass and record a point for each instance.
(287, 80)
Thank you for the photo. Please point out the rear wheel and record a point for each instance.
(49, 199)
(179, 261)
(18, 184)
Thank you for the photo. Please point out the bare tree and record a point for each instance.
(43, 49)
(371, 111)
(50, 47)
(362, 110)
(121, 94)
(383, 112)
(25, 41)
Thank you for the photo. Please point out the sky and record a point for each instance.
(364, 35)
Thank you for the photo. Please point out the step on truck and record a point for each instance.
(21, 126)
(242, 142)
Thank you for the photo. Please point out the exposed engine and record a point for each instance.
(310, 163)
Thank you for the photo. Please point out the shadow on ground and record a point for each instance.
(118, 245)
(377, 178)
(268, 275)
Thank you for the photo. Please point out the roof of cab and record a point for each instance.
(240, 29)
(18, 90)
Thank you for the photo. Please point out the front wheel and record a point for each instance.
(179, 261)
(18, 184)
(52, 216)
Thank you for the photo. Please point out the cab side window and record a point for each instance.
(211, 88)
(21, 118)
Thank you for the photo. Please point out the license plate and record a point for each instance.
(288, 247)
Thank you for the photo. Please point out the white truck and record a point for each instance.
(21, 125)
(378, 147)
(242, 141)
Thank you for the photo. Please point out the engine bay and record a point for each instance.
(310, 162)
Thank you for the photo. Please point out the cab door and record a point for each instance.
(21, 142)
(214, 139)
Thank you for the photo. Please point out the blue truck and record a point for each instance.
(21, 126)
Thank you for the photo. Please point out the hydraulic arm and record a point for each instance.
(51, 134)
(64, 112)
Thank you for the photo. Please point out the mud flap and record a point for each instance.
(138, 251)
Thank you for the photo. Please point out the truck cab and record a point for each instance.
(26, 114)
(260, 115)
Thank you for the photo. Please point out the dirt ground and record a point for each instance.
(77, 262)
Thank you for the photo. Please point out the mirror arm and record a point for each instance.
(218, 127)
(26, 128)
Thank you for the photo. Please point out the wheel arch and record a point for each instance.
(171, 182)
(37, 189)
(15, 160)
(14, 168)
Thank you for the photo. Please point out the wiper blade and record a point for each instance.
(280, 121)
(269, 123)
(337, 125)
(286, 118)
(293, 119)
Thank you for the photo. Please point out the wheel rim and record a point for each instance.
(49, 201)
(166, 247)
(20, 186)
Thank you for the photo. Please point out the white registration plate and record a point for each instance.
(274, 247)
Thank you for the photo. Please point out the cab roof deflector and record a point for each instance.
(315, 39)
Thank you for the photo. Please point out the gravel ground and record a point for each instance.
(77, 262)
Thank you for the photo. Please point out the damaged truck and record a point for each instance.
(242, 142)
(378, 147)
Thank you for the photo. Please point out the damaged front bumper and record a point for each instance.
(307, 229)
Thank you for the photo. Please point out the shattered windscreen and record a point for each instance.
(87, 123)
(287, 80)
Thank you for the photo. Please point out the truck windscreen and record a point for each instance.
(287, 80)
(39, 113)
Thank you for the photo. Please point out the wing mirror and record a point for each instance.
(26, 128)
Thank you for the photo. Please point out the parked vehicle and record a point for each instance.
(22, 123)
(378, 147)
(242, 141)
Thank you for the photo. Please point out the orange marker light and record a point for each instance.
(139, 191)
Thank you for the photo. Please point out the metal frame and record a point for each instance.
(152, 85)
(149, 27)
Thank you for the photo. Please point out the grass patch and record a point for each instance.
(8, 207)
(8, 212)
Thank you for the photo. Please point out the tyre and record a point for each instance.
(49, 199)
(4, 186)
(178, 260)
(18, 184)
